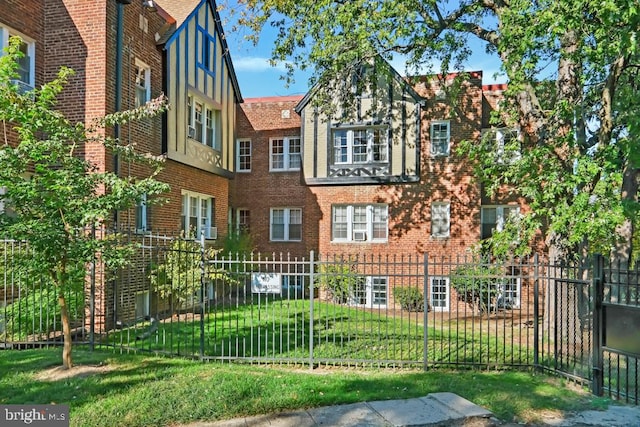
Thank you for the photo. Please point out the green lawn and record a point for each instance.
(279, 329)
(139, 390)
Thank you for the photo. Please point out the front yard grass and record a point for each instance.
(109, 389)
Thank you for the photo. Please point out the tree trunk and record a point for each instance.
(67, 363)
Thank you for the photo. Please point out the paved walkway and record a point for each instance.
(436, 409)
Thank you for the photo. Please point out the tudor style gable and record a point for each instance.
(202, 89)
(375, 140)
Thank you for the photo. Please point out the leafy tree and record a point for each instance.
(572, 68)
(340, 279)
(480, 286)
(53, 195)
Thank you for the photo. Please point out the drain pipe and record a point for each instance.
(118, 88)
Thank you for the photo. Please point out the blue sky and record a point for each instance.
(257, 78)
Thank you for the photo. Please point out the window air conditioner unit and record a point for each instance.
(359, 236)
(22, 86)
(213, 233)
(191, 133)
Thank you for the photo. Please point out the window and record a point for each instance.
(440, 135)
(372, 293)
(493, 218)
(141, 215)
(285, 154)
(142, 304)
(293, 286)
(509, 290)
(244, 155)
(440, 219)
(26, 64)
(204, 123)
(143, 83)
(197, 215)
(439, 292)
(359, 223)
(286, 224)
(206, 59)
(507, 144)
(365, 145)
(242, 220)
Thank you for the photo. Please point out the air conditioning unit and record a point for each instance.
(213, 233)
(22, 86)
(359, 236)
(191, 133)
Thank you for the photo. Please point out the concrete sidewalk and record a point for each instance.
(436, 409)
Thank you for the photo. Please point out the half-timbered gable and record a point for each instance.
(202, 89)
(374, 139)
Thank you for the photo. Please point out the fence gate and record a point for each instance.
(617, 324)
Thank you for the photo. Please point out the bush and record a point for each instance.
(410, 299)
(341, 280)
(477, 285)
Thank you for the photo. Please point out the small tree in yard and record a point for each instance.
(53, 196)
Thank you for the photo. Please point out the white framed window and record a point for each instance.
(373, 292)
(360, 145)
(198, 215)
(493, 218)
(285, 154)
(204, 123)
(293, 286)
(26, 64)
(244, 155)
(143, 304)
(242, 220)
(509, 291)
(440, 219)
(439, 293)
(440, 135)
(141, 215)
(286, 224)
(143, 83)
(359, 223)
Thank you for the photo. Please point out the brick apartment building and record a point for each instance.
(386, 182)
(124, 54)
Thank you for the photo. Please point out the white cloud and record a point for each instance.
(256, 64)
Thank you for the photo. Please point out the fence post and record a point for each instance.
(202, 293)
(536, 312)
(425, 355)
(598, 290)
(311, 298)
(92, 296)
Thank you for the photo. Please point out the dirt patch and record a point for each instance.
(80, 371)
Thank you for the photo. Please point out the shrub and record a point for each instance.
(341, 280)
(477, 285)
(410, 299)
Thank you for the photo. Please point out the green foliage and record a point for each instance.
(410, 299)
(477, 285)
(178, 276)
(340, 279)
(37, 313)
(55, 195)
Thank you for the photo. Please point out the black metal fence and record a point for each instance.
(179, 297)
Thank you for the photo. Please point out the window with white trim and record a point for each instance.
(141, 215)
(204, 123)
(243, 155)
(440, 135)
(242, 220)
(360, 145)
(359, 223)
(509, 291)
(198, 215)
(493, 218)
(285, 154)
(286, 224)
(371, 293)
(439, 293)
(26, 64)
(143, 83)
(440, 219)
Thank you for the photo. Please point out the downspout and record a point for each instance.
(118, 88)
